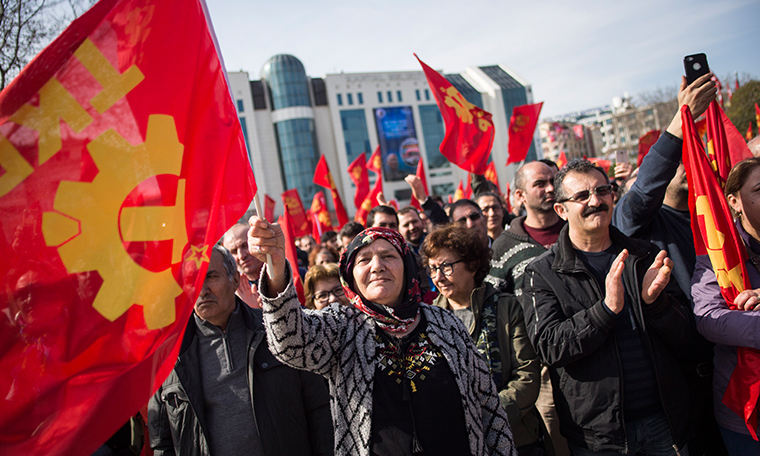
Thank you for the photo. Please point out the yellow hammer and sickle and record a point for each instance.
(715, 241)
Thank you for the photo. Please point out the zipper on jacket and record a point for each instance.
(227, 353)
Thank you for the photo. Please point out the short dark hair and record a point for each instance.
(464, 242)
(351, 229)
(388, 210)
(499, 198)
(549, 162)
(408, 209)
(577, 165)
(323, 248)
(328, 236)
(462, 203)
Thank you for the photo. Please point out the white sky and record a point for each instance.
(576, 54)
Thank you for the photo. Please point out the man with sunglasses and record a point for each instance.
(467, 213)
(602, 312)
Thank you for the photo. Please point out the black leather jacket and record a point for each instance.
(572, 333)
(291, 407)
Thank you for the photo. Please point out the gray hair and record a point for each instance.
(228, 261)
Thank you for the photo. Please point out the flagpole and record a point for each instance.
(259, 212)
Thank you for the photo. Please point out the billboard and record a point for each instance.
(399, 147)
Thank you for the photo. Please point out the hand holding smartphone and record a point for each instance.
(695, 66)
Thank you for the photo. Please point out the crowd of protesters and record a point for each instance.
(580, 323)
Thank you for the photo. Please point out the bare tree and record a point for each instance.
(26, 26)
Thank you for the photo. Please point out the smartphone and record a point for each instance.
(621, 156)
(695, 66)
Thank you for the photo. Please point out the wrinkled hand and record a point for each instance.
(615, 292)
(656, 277)
(249, 293)
(418, 190)
(748, 300)
(623, 170)
(267, 238)
(697, 96)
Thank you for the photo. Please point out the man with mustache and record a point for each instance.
(602, 312)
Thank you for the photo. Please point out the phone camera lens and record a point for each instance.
(697, 66)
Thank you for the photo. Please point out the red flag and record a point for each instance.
(757, 117)
(286, 224)
(123, 162)
(701, 126)
(561, 160)
(320, 216)
(269, 205)
(459, 193)
(491, 174)
(604, 164)
(421, 174)
(375, 162)
(297, 216)
(370, 201)
(394, 204)
(748, 136)
(323, 178)
(736, 146)
(716, 235)
(357, 171)
(468, 188)
(578, 131)
(508, 198)
(645, 143)
(522, 125)
(469, 129)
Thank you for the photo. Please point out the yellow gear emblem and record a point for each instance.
(90, 224)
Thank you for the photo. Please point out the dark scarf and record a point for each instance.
(393, 319)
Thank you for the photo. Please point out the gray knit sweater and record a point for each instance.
(338, 343)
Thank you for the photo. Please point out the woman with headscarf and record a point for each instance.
(405, 377)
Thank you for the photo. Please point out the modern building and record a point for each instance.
(290, 119)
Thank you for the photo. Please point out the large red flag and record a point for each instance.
(269, 205)
(423, 178)
(357, 171)
(123, 162)
(469, 129)
(285, 222)
(320, 216)
(716, 235)
(297, 215)
(492, 175)
(323, 178)
(645, 143)
(375, 162)
(522, 125)
(720, 128)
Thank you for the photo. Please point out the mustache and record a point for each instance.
(594, 209)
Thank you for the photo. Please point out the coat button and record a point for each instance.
(264, 365)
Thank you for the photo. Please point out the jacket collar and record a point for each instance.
(566, 260)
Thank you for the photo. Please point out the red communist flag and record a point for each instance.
(645, 143)
(423, 178)
(320, 215)
(725, 146)
(715, 235)
(701, 127)
(469, 129)
(459, 193)
(323, 178)
(297, 215)
(286, 223)
(269, 205)
(492, 175)
(757, 117)
(370, 201)
(602, 163)
(522, 125)
(561, 160)
(357, 171)
(375, 162)
(123, 162)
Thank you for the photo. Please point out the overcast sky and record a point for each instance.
(576, 54)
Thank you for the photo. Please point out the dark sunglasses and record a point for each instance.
(473, 216)
(584, 195)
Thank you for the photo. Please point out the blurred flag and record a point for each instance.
(604, 164)
(561, 160)
(370, 201)
(296, 214)
(757, 117)
(269, 205)
(492, 175)
(522, 125)
(469, 129)
(286, 222)
(508, 198)
(357, 171)
(701, 126)
(578, 131)
(123, 162)
(748, 135)
(645, 143)
(375, 162)
(323, 178)
(423, 178)
(394, 204)
(320, 216)
(459, 193)
(720, 128)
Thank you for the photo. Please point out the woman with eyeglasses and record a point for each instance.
(322, 287)
(405, 377)
(458, 261)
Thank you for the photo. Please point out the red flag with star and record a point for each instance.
(296, 214)
(370, 201)
(469, 130)
(320, 222)
(357, 171)
(716, 235)
(123, 162)
(645, 143)
(323, 178)
(522, 125)
(757, 117)
(423, 178)
(375, 162)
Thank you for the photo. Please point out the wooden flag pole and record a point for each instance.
(259, 212)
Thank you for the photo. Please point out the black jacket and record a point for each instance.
(572, 333)
(291, 407)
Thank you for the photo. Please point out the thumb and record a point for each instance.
(683, 83)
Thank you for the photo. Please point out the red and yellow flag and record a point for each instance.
(459, 193)
(561, 160)
(423, 178)
(269, 205)
(375, 162)
(323, 178)
(370, 201)
(123, 162)
(492, 175)
(286, 223)
(748, 135)
(320, 215)
(757, 117)
(296, 214)
(645, 143)
(716, 235)
(722, 135)
(357, 171)
(469, 129)
(522, 125)
(508, 198)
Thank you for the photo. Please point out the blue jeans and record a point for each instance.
(739, 444)
(647, 437)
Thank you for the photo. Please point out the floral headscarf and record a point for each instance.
(393, 319)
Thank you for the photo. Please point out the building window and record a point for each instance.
(398, 96)
(360, 98)
(245, 130)
(240, 105)
(427, 94)
(379, 97)
(622, 140)
(355, 135)
(433, 131)
(417, 94)
(340, 100)
(390, 96)
(350, 98)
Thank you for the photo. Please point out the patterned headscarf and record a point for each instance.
(393, 319)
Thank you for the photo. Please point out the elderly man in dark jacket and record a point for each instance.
(602, 312)
(227, 393)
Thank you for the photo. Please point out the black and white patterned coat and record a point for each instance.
(338, 343)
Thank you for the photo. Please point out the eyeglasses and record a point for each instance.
(473, 216)
(446, 268)
(584, 195)
(324, 296)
